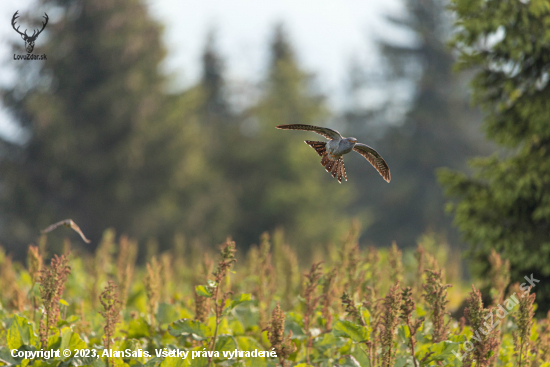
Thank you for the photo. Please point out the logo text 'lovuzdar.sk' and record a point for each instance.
(29, 40)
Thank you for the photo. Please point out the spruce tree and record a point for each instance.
(93, 113)
(505, 205)
(213, 81)
(202, 202)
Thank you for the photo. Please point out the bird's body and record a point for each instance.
(336, 146)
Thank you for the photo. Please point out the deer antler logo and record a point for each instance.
(29, 40)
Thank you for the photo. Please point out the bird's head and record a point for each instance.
(352, 141)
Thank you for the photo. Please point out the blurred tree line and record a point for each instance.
(108, 147)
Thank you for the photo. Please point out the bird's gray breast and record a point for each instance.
(339, 147)
(345, 146)
(333, 147)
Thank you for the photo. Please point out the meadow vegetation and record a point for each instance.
(347, 307)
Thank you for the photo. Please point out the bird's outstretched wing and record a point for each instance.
(375, 159)
(67, 223)
(325, 131)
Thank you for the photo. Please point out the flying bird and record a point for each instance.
(69, 224)
(336, 146)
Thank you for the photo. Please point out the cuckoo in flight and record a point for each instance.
(69, 224)
(336, 146)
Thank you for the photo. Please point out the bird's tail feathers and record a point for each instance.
(335, 167)
(342, 171)
(319, 147)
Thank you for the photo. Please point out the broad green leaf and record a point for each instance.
(54, 341)
(5, 357)
(327, 341)
(138, 328)
(167, 313)
(243, 298)
(404, 333)
(185, 327)
(72, 319)
(297, 331)
(203, 291)
(248, 316)
(441, 351)
(359, 354)
(71, 340)
(247, 343)
(19, 333)
(225, 343)
(236, 327)
(348, 329)
(68, 321)
(154, 362)
(404, 362)
(173, 362)
(197, 361)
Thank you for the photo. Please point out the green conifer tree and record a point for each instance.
(506, 204)
(202, 202)
(94, 115)
(212, 79)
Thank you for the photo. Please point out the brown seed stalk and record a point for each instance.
(52, 283)
(275, 333)
(111, 312)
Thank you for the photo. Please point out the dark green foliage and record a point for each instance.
(202, 201)
(212, 81)
(506, 204)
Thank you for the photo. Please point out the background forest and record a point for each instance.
(109, 146)
(107, 143)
